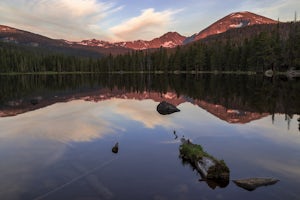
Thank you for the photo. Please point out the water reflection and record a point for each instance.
(47, 144)
(237, 93)
(210, 183)
(76, 122)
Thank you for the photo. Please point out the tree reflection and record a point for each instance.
(299, 124)
(253, 93)
(213, 184)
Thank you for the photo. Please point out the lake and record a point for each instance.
(57, 133)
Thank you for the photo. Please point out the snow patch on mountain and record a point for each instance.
(236, 25)
(168, 44)
(237, 16)
(170, 95)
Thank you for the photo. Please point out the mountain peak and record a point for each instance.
(170, 34)
(233, 20)
(167, 40)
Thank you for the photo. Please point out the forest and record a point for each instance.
(255, 48)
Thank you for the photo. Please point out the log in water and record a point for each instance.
(209, 167)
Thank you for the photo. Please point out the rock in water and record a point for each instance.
(251, 184)
(35, 100)
(165, 108)
(115, 149)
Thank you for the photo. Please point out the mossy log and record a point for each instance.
(209, 167)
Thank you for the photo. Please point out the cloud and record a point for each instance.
(147, 25)
(282, 9)
(70, 19)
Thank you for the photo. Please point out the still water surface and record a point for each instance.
(55, 142)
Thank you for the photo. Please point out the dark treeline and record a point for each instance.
(17, 58)
(242, 92)
(254, 48)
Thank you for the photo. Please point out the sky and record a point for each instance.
(120, 20)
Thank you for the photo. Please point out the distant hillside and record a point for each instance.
(247, 45)
(25, 38)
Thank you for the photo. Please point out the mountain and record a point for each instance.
(96, 47)
(94, 43)
(231, 21)
(173, 39)
(86, 47)
(25, 38)
(168, 40)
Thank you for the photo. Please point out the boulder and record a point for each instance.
(165, 108)
(34, 101)
(251, 184)
(115, 149)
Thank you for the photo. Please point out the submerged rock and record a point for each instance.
(269, 73)
(165, 108)
(115, 149)
(251, 184)
(35, 100)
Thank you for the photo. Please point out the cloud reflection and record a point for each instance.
(71, 122)
(143, 112)
(289, 169)
(280, 131)
(80, 121)
(35, 140)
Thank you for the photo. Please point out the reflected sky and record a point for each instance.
(80, 121)
(47, 142)
(40, 138)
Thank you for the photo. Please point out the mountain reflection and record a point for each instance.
(232, 98)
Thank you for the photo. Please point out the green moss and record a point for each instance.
(193, 152)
